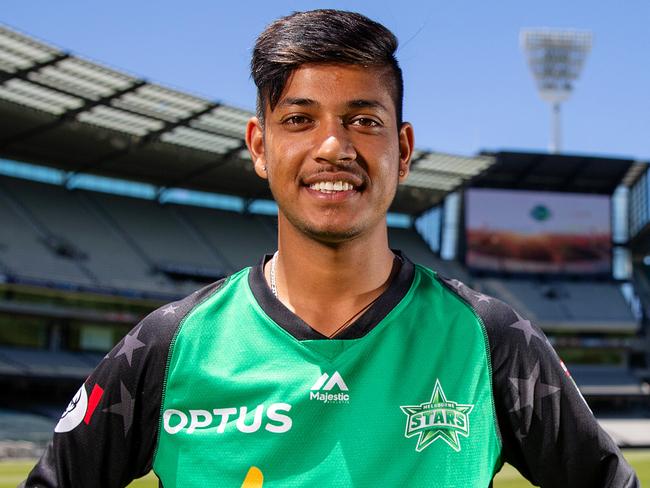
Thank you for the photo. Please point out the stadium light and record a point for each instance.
(556, 58)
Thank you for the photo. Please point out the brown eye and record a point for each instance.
(296, 120)
(365, 122)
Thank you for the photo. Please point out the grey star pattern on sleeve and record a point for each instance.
(170, 309)
(482, 297)
(519, 434)
(124, 408)
(528, 392)
(527, 328)
(130, 344)
(456, 284)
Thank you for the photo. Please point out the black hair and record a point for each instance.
(321, 36)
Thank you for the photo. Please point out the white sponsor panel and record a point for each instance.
(74, 413)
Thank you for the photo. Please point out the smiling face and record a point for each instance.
(332, 151)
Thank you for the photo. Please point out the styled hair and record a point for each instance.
(321, 36)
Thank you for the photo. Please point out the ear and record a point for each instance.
(255, 144)
(406, 145)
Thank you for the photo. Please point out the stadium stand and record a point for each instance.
(240, 240)
(419, 252)
(79, 237)
(47, 364)
(21, 433)
(114, 243)
(565, 305)
(24, 237)
(160, 237)
(603, 380)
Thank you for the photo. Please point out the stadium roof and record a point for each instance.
(67, 112)
(555, 172)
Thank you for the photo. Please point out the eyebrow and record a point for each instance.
(302, 102)
(362, 103)
(308, 102)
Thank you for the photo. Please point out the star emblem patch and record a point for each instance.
(436, 419)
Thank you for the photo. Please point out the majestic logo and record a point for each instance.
(326, 383)
(437, 419)
(79, 409)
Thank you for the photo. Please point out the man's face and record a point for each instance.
(331, 150)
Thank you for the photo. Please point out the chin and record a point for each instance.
(330, 234)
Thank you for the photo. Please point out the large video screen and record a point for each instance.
(537, 232)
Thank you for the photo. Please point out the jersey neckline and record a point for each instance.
(300, 330)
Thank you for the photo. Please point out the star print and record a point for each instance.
(529, 391)
(481, 297)
(456, 284)
(130, 344)
(526, 327)
(124, 408)
(170, 309)
(519, 434)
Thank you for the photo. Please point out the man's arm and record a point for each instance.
(548, 432)
(108, 434)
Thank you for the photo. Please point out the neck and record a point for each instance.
(326, 284)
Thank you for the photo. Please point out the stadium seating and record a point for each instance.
(28, 249)
(240, 240)
(597, 380)
(94, 246)
(408, 241)
(161, 236)
(15, 425)
(45, 364)
(566, 305)
(114, 243)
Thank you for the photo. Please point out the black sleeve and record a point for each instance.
(547, 430)
(107, 435)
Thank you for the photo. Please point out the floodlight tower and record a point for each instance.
(556, 58)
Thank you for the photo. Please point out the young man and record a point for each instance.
(335, 362)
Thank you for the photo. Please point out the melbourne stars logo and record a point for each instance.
(437, 419)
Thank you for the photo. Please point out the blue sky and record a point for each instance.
(468, 87)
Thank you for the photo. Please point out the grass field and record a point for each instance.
(13, 472)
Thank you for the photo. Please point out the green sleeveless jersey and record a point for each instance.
(435, 385)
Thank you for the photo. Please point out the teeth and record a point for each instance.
(331, 186)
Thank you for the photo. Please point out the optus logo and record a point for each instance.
(273, 419)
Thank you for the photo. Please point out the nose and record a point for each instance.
(334, 143)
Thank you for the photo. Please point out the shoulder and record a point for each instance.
(494, 313)
(151, 338)
(507, 330)
(163, 321)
